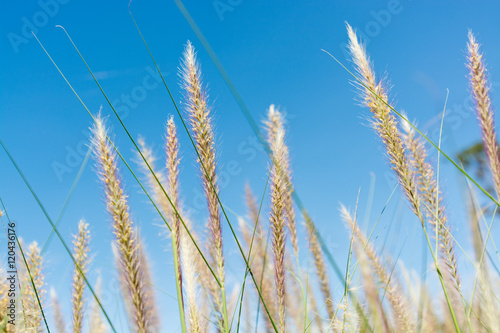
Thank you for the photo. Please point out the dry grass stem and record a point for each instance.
(275, 123)
(172, 150)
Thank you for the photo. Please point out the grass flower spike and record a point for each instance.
(80, 252)
(480, 91)
(278, 224)
(126, 240)
(199, 113)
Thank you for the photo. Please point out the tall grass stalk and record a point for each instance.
(374, 96)
(277, 220)
(81, 253)
(434, 209)
(157, 181)
(480, 94)
(188, 255)
(199, 114)
(275, 122)
(127, 243)
(172, 150)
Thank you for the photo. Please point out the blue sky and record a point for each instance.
(272, 53)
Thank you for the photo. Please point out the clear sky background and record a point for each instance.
(272, 53)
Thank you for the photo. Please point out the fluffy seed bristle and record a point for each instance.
(383, 121)
(434, 208)
(200, 120)
(277, 220)
(186, 249)
(150, 304)
(274, 124)
(172, 149)
(126, 241)
(80, 253)
(320, 265)
(480, 93)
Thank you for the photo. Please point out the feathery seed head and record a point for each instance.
(384, 122)
(80, 253)
(127, 244)
(200, 120)
(480, 90)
